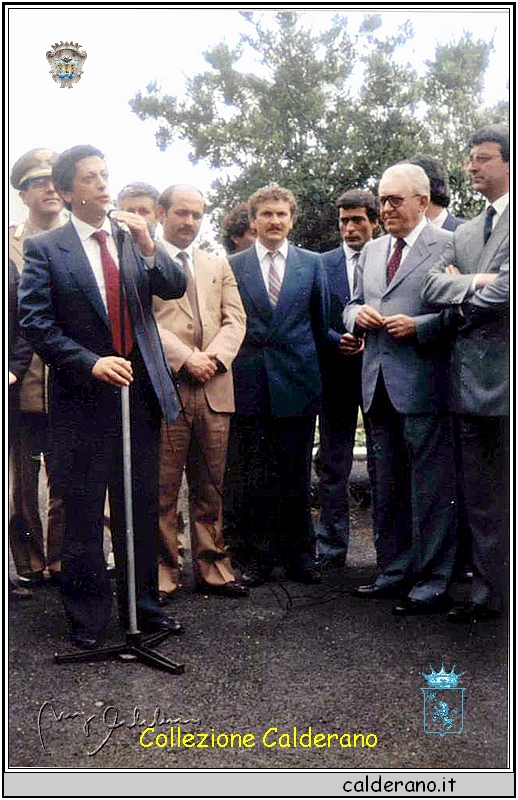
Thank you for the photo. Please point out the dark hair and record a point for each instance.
(138, 189)
(360, 198)
(492, 133)
(64, 169)
(438, 177)
(235, 223)
(166, 198)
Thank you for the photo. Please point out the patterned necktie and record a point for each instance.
(274, 280)
(488, 222)
(192, 297)
(112, 286)
(395, 260)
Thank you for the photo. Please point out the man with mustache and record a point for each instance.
(278, 390)
(201, 334)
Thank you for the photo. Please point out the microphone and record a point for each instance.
(120, 225)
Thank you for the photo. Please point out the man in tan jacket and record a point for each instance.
(31, 176)
(201, 333)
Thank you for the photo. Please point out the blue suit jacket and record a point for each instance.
(63, 316)
(415, 369)
(277, 370)
(341, 374)
(451, 223)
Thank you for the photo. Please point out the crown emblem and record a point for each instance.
(443, 679)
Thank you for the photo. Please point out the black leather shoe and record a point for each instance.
(408, 607)
(19, 591)
(165, 597)
(230, 589)
(308, 575)
(253, 578)
(84, 641)
(373, 591)
(326, 563)
(475, 612)
(157, 624)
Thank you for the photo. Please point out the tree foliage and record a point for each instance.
(297, 119)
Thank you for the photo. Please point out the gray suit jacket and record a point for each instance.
(480, 355)
(415, 368)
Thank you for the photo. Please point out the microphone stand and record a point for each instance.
(134, 647)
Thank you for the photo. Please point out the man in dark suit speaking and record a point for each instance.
(277, 389)
(70, 311)
(472, 278)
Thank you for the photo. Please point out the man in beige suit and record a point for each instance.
(201, 333)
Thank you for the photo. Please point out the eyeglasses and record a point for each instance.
(394, 200)
(40, 183)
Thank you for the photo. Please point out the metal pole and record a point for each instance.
(128, 507)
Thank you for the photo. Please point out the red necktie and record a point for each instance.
(112, 286)
(395, 260)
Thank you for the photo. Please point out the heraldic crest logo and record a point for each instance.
(66, 60)
(442, 701)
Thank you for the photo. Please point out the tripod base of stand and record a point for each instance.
(134, 648)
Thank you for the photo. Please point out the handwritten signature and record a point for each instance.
(109, 719)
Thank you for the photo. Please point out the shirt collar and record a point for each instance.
(500, 204)
(261, 250)
(440, 219)
(84, 230)
(411, 237)
(173, 250)
(349, 252)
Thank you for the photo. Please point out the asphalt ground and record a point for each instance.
(289, 656)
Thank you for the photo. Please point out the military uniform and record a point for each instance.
(30, 440)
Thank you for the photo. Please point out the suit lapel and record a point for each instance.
(495, 240)
(79, 267)
(252, 279)
(340, 277)
(290, 284)
(418, 253)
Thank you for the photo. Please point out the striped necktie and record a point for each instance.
(274, 280)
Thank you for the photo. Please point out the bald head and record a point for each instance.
(180, 211)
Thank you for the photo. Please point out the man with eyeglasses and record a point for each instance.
(404, 394)
(31, 176)
(472, 278)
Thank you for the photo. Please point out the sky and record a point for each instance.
(127, 47)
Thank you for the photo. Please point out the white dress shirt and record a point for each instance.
(264, 261)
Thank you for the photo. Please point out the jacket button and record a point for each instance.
(189, 326)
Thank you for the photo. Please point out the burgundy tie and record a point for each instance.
(395, 260)
(112, 286)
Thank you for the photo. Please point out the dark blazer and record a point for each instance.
(480, 356)
(415, 368)
(451, 223)
(341, 374)
(63, 316)
(277, 369)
